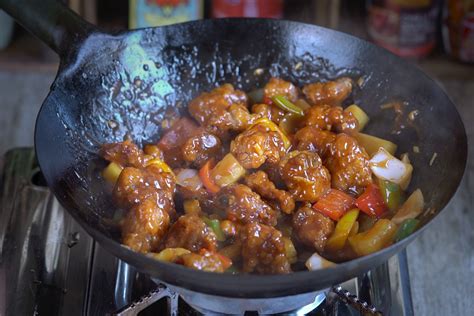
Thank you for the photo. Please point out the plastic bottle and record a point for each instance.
(458, 29)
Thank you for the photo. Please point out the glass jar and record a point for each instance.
(405, 27)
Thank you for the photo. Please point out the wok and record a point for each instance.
(111, 85)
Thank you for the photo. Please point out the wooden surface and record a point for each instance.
(441, 261)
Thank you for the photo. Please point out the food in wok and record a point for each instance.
(272, 181)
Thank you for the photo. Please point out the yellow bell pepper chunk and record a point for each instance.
(359, 114)
(161, 164)
(379, 236)
(341, 232)
(112, 172)
(372, 144)
(192, 206)
(290, 250)
(170, 254)
(227, 171)
(274, 128)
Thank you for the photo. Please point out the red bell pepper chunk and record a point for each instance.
(205, 175)
(371, 201)
(334, 204)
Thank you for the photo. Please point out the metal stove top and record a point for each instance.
(50, 266)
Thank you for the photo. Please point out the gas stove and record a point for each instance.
(50, 266)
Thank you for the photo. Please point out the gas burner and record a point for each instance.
(50, 266)
(215, 305)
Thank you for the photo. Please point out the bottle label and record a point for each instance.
(466, 47)
(406, 31)
(148, 13)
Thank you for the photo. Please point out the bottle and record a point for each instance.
(405, 27)
(458, 29)
(148, 13)
(247, 8)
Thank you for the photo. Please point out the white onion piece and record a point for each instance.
(189, 178)
(316, 262)
(387, 167)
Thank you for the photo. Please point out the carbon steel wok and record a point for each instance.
(111, 85)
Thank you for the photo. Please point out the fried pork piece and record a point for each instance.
(201, 147)
(349, 165)
(144, 226)
(256, 146)
(271, 112)
(172, 141)
(134, 186)
(124, 153)
(245, 206)
(190, 232)
(204, 260)
(263, 250)
(277, 86)
(326, 117)
(331, 92)
(315, 140)
(221, 110)
(312, 228)
(305, 176)
(260, 183)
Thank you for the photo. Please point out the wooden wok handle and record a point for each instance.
(51, 21)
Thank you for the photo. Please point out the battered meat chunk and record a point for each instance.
(277, 86)
(315, 140)
(205, 261)
(201, 147)
(271, 112)
(123, 153)
(144, 226)
(328, 118)
(221, 110)
(173, 140)
(134, 186)
(190, 232)
(331, 92)
(260, 183)
(312, 228)
(305, 176)
(256, 146)
(349, 165)
(263, 250)
(245, 206)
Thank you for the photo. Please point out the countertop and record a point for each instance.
(441, 260)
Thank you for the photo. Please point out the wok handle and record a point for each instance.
(51, 21)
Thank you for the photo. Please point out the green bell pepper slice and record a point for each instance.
(286, 105)
(406, 228)
(392, 194)
(215, 225)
